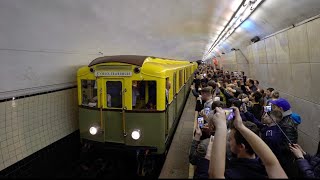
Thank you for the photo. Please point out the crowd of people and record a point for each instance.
(244, 131)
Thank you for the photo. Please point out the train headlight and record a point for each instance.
(135, 134)
(93, 130)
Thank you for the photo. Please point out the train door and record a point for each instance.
(114, 95)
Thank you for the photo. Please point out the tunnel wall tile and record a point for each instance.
(271, 50)
(314, 40)
(298, 44)
(29, 124)
(282, 47)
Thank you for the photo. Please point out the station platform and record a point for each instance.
(177, 164)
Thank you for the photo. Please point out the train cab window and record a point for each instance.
(135, 93)
(114, 94)
(144, 94)
(89, 93)
(152, 95)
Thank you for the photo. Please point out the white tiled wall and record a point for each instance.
(30, 124)
(290, 63)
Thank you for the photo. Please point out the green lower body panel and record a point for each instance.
(155, 128)
(150, 125)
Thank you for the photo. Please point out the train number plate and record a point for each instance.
(113, 73)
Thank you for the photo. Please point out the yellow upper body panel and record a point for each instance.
(149, 69)
(155, 67)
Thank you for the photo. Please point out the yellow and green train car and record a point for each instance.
(123, 101)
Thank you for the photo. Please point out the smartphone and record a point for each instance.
(267, 108)
(207, 111)
(243, 107)
(229, 113)
(200, 122)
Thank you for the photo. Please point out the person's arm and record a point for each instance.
(270, 161)
(225, 93)
(218, 152)
(243, 88)
(195, 93)
(199, 105)
(303, 163)
(209, 149)
(194, 145)
(306, 168)
(253, 119)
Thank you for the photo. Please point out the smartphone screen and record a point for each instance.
(243, 107)
(207, 111)
(267, 108)
(200, 122)
(229, 113)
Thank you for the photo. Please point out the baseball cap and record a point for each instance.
(284, 104)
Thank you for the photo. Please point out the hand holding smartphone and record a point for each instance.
(229, 113)
(200, 122)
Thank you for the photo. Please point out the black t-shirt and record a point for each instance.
(199, 105)
(196, 84)
(257, 111)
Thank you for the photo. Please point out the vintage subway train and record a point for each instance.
(123, 103)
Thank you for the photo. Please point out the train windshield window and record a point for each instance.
(152, 95)
(89, 93)
(114, 94)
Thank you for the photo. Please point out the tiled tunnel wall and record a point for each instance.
(30, 124)
(290, 63)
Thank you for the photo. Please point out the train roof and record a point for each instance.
(150, 65)
(129, 59)
(132, 59)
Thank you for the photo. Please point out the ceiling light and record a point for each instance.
(244, 10)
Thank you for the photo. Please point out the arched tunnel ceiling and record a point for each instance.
(270, 17)
(180, 29)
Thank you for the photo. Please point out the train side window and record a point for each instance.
(114, 94)
(144, 94)
(174, 83)
(168, 87)
(89, 93)
(180, 78)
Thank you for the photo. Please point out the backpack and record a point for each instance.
(296, 118)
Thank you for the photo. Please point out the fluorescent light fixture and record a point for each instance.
(235, 5)
(244, 10)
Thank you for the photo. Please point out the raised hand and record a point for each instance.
(218, 119)
(198, 133)
(237, 120)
